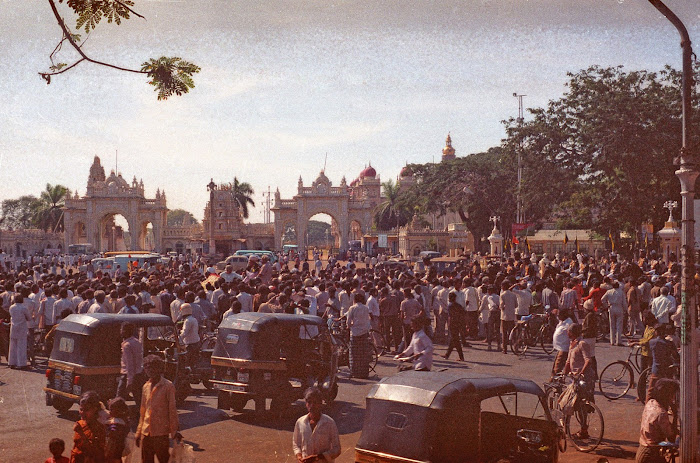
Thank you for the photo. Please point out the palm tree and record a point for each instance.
(242, 194)
(48, 214)
(389, 211)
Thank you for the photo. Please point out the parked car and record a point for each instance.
(239, 263)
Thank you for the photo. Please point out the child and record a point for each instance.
(117, 428)
(56, 447)
(89, 433)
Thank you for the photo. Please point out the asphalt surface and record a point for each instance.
(27, 424)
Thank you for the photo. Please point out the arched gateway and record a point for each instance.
(90, 219)
(348, 205)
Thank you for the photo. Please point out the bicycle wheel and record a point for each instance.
(378, 341)
(637, 358)
(374, 357)
(585, 427)
(642, 385)
(518, 342)
(615, 380)
(546, 335)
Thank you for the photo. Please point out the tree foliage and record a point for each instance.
(243, 196)
(170, 75)
(395, 209)
(599, 157)
(44, 212)
(177, 217)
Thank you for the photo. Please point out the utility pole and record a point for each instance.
(687, 173)
(519, 213)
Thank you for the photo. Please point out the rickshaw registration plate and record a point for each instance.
(243, 377)
(229, 387)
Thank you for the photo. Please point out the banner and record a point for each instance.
(516, 228)
(383, 241)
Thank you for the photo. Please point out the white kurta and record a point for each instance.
(324, 439)
(19, 330)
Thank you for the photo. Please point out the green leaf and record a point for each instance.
(170, 75)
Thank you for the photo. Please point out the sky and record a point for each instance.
(287, 84)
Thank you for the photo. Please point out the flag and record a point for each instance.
(576, 242)
(646, 240)
(515, 240)
(527, 244)
(612, 241)
(566, 239)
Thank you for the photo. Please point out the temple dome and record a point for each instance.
(368, 172)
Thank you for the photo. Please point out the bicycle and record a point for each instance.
(644, 379)
(341, 338)
(617, 378)
(525, 334)
(377, 339)
(585, 426)
(668, 451)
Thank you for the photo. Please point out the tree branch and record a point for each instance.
(46, 74)
(130, 10)
(85, 57)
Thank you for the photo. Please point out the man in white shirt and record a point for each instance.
(661, 306)
(189, 336)
(229, 275)
(315, 434)
(420, 349)
(245, 299)
(472, 300)
(524, 299)
(99, 305)
(561, 342)
(359, 323)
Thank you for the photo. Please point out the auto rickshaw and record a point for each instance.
(270, 355)
(457, 417)
(86, 354)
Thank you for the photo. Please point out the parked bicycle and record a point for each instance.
(617, 378)
(644, 380)
(532, 330)
(584, 426)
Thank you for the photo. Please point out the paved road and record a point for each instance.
(27, 424)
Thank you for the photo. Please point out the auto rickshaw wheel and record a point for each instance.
(182, 390)
(238, 402)
(61, 404)
(332, 394)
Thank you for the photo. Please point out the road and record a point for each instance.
(27, 424)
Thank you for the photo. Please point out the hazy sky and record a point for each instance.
(285, 82)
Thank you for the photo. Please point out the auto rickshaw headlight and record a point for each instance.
(76, 380)
(49, 372)
(530, 436)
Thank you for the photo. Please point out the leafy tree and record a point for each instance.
(19, 213)
(243, 195)
(177, 217)
(48, 214)
(317, 233)
(475, 186)
(610, 141)
(393, 211)
(169, 75)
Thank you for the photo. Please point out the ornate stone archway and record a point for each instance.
(107, 196)
(344, 203)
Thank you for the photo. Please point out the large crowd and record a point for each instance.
(412, 306)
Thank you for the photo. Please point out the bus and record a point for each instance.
(80, 249)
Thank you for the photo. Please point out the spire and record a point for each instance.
(448, 153)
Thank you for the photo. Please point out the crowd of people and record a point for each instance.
(413, 308)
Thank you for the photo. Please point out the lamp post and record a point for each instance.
(687, 174)
(212, 243)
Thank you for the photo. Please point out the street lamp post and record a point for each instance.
(212, 242)
(687, 174)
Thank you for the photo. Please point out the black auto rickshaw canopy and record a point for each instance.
(94, 339)
(263, 336)
(427, 416)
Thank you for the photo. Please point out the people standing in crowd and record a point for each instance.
(19, 332)
(455, 313)
(88, 433)
(358, 320)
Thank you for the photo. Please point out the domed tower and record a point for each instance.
(448, 153)
(368, 186)
(406, 179)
